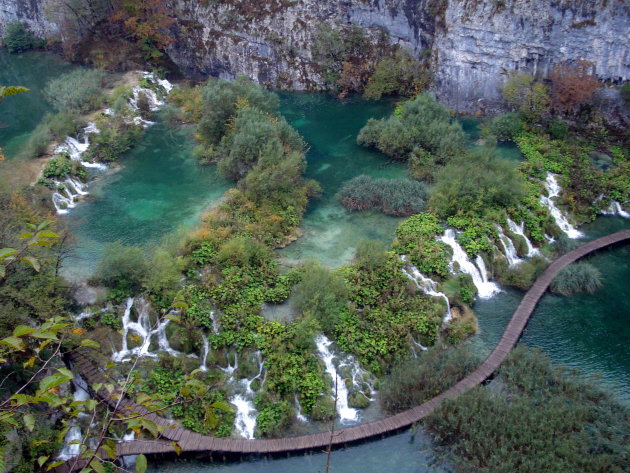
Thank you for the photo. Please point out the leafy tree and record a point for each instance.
(572, 85)
(526, 95)
(18, 38)
(505, 127)
(400, 75)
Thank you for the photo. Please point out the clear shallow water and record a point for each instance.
(160, 188)
(20, 114)
(586, 331)
(402, 453)
(330, 126)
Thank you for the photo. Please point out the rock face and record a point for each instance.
(31, 12)
(483, 41)
(472, 44)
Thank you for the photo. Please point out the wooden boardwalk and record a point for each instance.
(193, 442)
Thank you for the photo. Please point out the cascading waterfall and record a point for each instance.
(615, 209)
(346, 413)
(204, 356)
(508, 247)
(129, 461)
(485, 288)
(298, 411)
(74, 436)
(553, 190)
(142, 328)
(428, 286)
(520, 230)
(75, 148)
(243, 401)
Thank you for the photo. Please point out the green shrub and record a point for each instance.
(112, 321)
(273, 417)
(80, 90)
(419, 123)
(122, 267)
(506, 127)
(535, 417)
(400, 75)
(416, 380)
(524, 274)
(61, 166)
(18, 38)
(476, 182)
(321, 293)
(38, 142)
(398, 197)
(577, 277)
(558, 129)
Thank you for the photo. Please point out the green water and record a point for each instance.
(330, 127)
(586, 331)
(20, 114)
(159, 189)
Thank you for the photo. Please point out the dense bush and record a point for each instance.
(121, 267)
(577, 277)
(18, 38)
(80, 90)
(400, 75)
(399, 197)
(421, 123)
(416, 380)
(55, 127)
(536, 417)
(322, 294)
(61, 166)
(476, 182)
(505, 127)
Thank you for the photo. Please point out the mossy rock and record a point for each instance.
(323, 409)
(358, 400)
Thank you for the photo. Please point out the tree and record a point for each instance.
(572, 85)
(526, 95)
(18, 38)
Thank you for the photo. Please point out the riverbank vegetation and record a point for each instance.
(534, 417)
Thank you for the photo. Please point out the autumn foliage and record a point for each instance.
(572, 85)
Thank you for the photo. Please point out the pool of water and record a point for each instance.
(330, 127)
(159, 189)
(20, 114)
(586, 331)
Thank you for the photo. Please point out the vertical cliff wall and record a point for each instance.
(483, 41)
(473, 44)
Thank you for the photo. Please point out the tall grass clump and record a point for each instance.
(577, 277)
(80, 90)
(416, 380)
(398, 197)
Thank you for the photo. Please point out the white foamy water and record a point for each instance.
(520, 230)
(485, 288)
(67, 194)
(74, 437)
(553, 191)
(428, 286)
(204, 355)
(143, 330)
(345, 412)
(615, 209)
(243, 401)
(509, 250)
(76, 147)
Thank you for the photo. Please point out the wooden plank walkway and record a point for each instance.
(193, 442)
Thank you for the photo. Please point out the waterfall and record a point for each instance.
(346, 413)
(230, 369)
(615, 209)
(74, 436)
(479, 276)
(142, 328)
(298, 411)
(428, 286)
(245, 421)
(215, 323)
(67, 194)
(553, 190)
(76, 147)
(204, 357)
(129, 461)
(520, 230)
(508, 248)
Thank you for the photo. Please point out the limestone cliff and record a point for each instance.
(472, 44)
